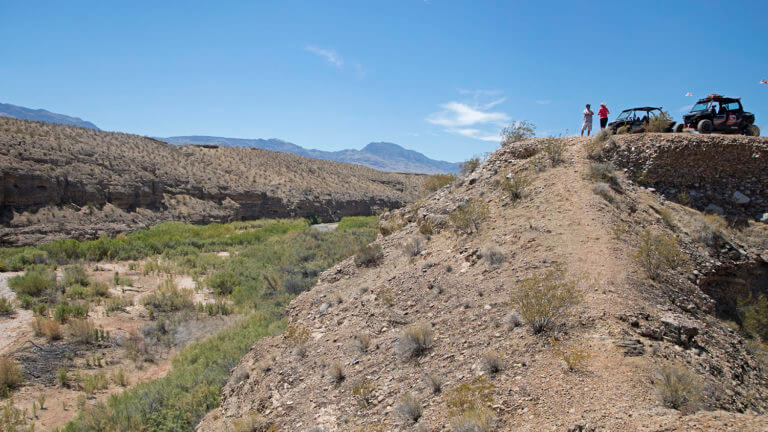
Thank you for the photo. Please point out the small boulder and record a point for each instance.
(740, 198)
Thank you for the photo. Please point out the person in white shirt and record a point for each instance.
(587, 121)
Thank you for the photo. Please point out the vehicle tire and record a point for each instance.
(679, 128)
(752, 130)
(704, 127)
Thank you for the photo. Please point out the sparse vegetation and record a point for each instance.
(6, 307)
(169, 298)
(575, 358)
(600, 171)
(369, 255)
(469, 166)
(491, 363)
(470, 407)
(753, 314)
(336, 373)
(544, 299)
(10, 376)
(515, 185)
(413, 246)
(710, 229)
(437, 181)
(594, 147)
(517, 132)
(468, 216)
(434, 382)
(36, 282)
(624, 130)
(362, 392)
(604, 191)
(492, 254)
(679, 389)
(414, 341)
(554, 150)
(660, 122)
(48, 327)
(409, 408)
(82, 331)
(360, 342)
(658, 253)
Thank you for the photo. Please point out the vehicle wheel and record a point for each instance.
(705, 127)
(752, 131)
(679, 128)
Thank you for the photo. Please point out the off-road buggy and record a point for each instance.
(716, 113)
(637, 119)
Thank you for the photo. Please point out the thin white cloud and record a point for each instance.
(544, 102)
(329, 55)
(457, 114)
(472, 120)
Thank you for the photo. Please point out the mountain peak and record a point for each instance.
(23, 113)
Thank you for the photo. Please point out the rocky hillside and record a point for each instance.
(60, 181)
(382, 156)
(544, 292)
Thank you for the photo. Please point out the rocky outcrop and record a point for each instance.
(718, 173)
(59, 181)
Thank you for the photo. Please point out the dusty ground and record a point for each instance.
(60, 404)
(559, 221)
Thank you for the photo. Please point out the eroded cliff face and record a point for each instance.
(61, 181)
(717, 173)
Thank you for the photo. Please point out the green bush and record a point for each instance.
(437, 181)
(169, 298)
(517, 132)
(469, 166)
(414, 341)
(358, 222)
(554, 149)
(6, 307)
(658, 253)
(75, 275)
(544, 299)
(753, 313)
(661, 122)
(10, 376)
(467, 217)
(514, 186)
(34, 283)
(679, 389)
(64, 311)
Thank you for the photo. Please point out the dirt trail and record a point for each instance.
(15, 329)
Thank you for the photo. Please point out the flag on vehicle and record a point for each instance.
(688, 94)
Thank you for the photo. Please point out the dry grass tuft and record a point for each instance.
(491, 363)
(492, 255)
(515, 185)
(10, 376)
(679, 389)
(336, 373)
(409, 408)
(604, 191)
(362, 392)
(467, 217)
(434, 382)
(574, 358)
(414, 341)
(437, 181)
(554, 150)
(369, 256)
(413, 246)
(658, 253)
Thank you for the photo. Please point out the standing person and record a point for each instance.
(587, 126)
(603, 114)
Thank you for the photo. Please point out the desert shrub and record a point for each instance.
(600, 171)
(492, 255)
(512, 320)
(491, 363)
(360, 342)
(296, 337)
(624, 130)
(575, 358)
(679, 389)
(93, 382)
(120, 378)
(77, 292)
(659, 122)
(82, 330)
(426, 228)
(604, 191)
(253, 422)
(369, 255)
(34, 283)
(515, 185)
(414, 341)
(470, 407)
(710, 229)
(169, 298)
(10, 376)
(24, 258)
(358, 222)
(216, 308)
(437, 181)
(544, 299)
(413, 246)
(469, 166)
(516, 132)
(362, 392)
(468, 216)
(117, 303)
(409, 408)
(594, 147)
(50, 328)
(118, 280)
(62, 376)
(6, 307)
(667, 217)
(554, 149)
(336, 373)
(222, 282)
(753, 314)
(434, 382)
(75, 275)
(64, 311)
(657, 253)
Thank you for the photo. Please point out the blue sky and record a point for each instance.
(441, 77)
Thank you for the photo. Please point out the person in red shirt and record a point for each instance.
(603, 114)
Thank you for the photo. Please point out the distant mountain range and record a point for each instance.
(8, 110)
(382, 156)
